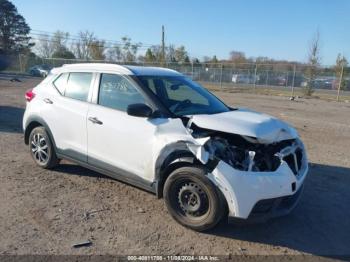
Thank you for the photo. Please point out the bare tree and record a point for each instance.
(237, 57)
(96, 50)
(59, 41)
(314, 60)
(113, 54)
(124, 52)
(44, 47)
(81, 46)
(181, 54)
(340, 64)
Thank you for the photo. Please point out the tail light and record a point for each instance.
(29, 95)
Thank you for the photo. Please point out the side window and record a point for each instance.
(78, 86)
(117, 92)
(61, 82)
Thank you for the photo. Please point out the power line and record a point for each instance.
(78, 38)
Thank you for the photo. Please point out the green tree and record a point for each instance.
(149, 56)
(339, 68)
(13, 29)
(63, 53)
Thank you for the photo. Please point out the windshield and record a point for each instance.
(183, 96)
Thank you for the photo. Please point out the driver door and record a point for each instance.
(118, 142)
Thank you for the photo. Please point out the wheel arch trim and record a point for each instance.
(33, 122)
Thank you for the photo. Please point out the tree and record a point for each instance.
(149, 56)
(181, 54)
(195, 60)
(129, 49)
(81, 47)
(44, 47)
(214, 60)
(340, 64)
(59, 41)
(237, 57)
(13, 29)
(96, 50)
(125, 52)
(170, 53)
(63, 53)
(114, 54)
(314, 60)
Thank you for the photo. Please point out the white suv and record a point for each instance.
(158, 130)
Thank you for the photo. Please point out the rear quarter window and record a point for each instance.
(74, 85)
(78, 86)
(61, 82)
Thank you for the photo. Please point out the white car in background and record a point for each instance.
(156, 129)
(242, 79)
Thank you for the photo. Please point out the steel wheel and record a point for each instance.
(192, 199)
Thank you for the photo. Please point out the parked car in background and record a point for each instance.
(242, 79)
(40, 70)
(320, 83)
(158, 130)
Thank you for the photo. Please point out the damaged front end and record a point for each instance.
(247, 170)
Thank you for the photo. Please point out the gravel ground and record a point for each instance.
(45, 212)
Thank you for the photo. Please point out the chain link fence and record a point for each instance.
(282, 79)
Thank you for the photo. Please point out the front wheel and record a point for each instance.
(192, 199)
(41, 148)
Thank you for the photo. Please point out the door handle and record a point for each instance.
(94, 120)
(48, 101)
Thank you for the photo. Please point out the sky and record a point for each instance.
(279, 29)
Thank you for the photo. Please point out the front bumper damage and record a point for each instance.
(262, 195)
(260, 170)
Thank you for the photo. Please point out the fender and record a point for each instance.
(172, 161)
(34, 121)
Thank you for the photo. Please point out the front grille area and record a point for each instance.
(294, 160)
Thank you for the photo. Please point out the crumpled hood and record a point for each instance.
(265, 128)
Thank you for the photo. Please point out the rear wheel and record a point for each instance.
(41, 148)
(192, 199)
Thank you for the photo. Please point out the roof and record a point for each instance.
(148, 70)
(114, 68)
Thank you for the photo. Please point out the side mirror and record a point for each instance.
(139, 110)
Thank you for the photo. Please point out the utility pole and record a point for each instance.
(163, 46)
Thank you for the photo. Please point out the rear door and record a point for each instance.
(65, 112)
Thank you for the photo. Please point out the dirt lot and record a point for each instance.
(45, 212)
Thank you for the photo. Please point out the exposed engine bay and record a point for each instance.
(242, 152)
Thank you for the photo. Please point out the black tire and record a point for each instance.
(41, 148)
(192, 199)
